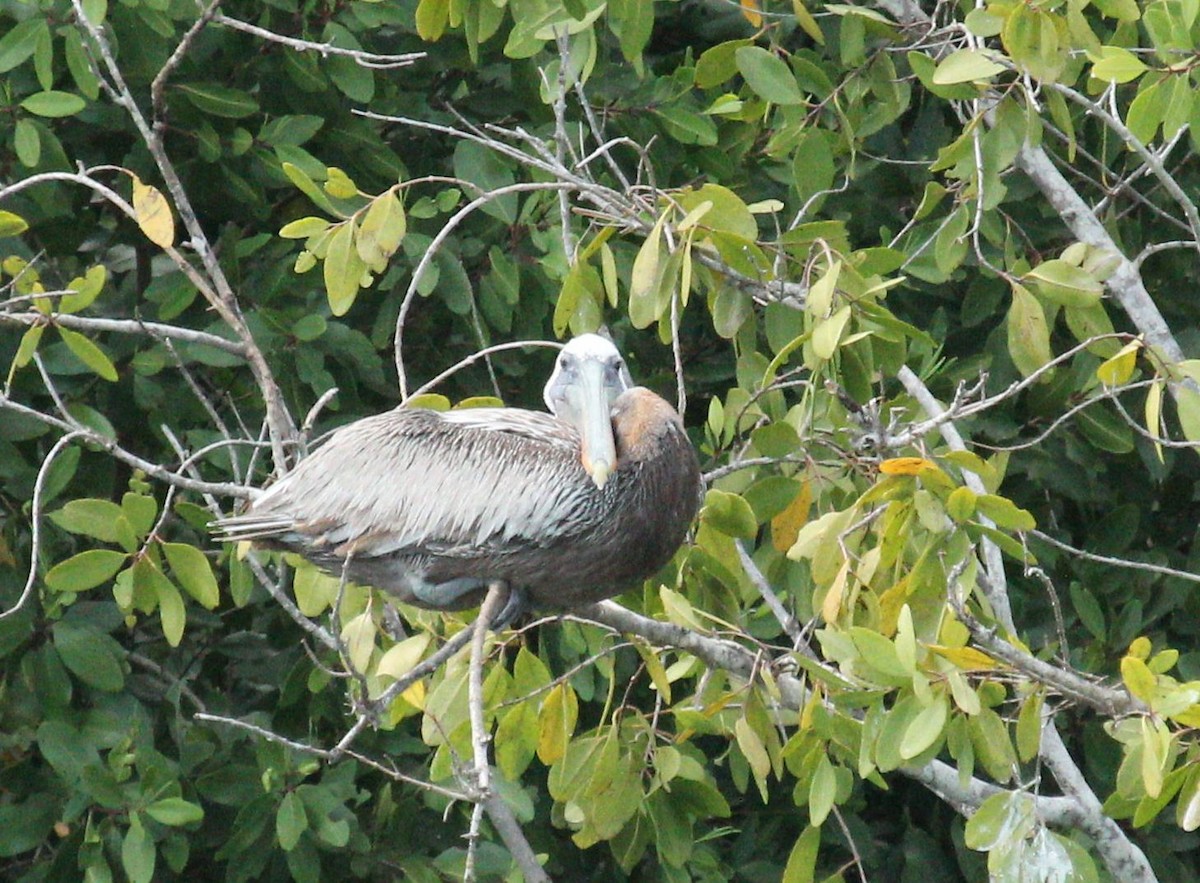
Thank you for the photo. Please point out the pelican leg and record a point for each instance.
(442, 596)
(515, 606)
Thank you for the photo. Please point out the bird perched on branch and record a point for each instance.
(565, 508)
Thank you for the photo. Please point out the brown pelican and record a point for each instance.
(565, 508)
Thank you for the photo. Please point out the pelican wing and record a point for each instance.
(413, 481)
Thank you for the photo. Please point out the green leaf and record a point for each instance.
(1115, 64)
(718, 64)
(27, 143)
(1105, 429)
(21, 41)
(401, 658)
(1146, 112)
(1004, 819)
(802, 861)
(966, 66)
(432, 18)
(359, 637)
(171, 612)
(89, 517)
(730, 514)
(53, 103)
(140, 510)
(828, 333)
(28, 346)
(90, 655)
(175, 812)
(12, 224)
(290, 821)
(1029, 727)
(85, 290)
(303, 228)
(138, 852)
(1028, 332)
(85, 570)
(645, 278)
(219, 101)
(1005, 513)
(1187, 406)
(687, 126)
(1063, 283)
(89, 353)
(343, 270)
(191, 568)
(960, 505)
(822, 791)
(925, 729)
(768, 75)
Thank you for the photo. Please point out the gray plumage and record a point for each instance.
(433, 506)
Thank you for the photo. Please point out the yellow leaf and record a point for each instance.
(905, 466)
(1138, 678)
(1117, 370)
(786, 525)
(1140, 647)
(752, 12)
(806, 21)
(832, 604)
(415, 695)
(153, 214)
(556, 723)
(1154, 416)
(966, 658)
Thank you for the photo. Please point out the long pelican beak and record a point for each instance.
(594, 396)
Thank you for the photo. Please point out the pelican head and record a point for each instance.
(588, 377)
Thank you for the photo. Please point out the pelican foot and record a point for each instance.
(515, 606)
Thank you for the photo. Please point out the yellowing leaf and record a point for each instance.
(556, 723)
(752, 13)
(786, 525)
(359, 637)
(1154, 398)
(831, 606)
(905, 466)
(1117, 370)
(1138, 678)
(966, 658)
(153, 214)
(1028, 332)
(343, 270)
(381, 231)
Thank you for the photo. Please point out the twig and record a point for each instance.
(373, 60)
(325, 754)
(790, 625)
(35, 517)
(425, 667)
(1116, 562)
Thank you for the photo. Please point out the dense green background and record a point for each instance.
(880, 161)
